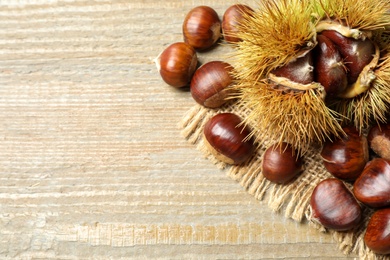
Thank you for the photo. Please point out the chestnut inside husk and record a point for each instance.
(324, 68)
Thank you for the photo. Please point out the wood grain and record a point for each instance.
(92, 164)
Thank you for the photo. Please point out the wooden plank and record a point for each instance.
(91, 159)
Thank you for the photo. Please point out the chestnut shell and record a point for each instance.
(281, 163)
(373, 186)
(210, 84)
(334, 206)
(346, 157)
(355, 53)
(177, 64)
(377, 236)
(299, 70)
(227, 138)
(201, 27)
(330, 70)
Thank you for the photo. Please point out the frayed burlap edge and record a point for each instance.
(293, 198)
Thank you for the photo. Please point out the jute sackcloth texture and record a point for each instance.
(292, 199)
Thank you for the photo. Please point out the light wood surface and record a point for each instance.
(92, 164)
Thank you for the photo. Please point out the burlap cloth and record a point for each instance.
(292, 199)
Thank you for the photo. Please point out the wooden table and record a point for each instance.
(92, 163)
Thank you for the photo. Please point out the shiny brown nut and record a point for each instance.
(227, 139)
(300, 70)
(210, 85)
(202, 27)
(345, 158)
(355, 53)
(281, 163)
(377, 236)
(373, 186)
(334, 206)
(177, 63)
(231, 20)
(379, 140)
(330, 70)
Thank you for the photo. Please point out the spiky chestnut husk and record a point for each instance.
(270, 38)
(279, 33)
(279, 114)
(367, 100)
(372, 106)
(362, 15)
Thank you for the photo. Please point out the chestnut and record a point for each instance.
(177, 63)
(299, 70)
(379, 140)
(334, 206)
(346, 157)
(202, 27)
(281, 163)
(355, 53)
(231, 20)
(373, 186)
(330, 69)
(227, 138)
(210, 84)
(377, 236)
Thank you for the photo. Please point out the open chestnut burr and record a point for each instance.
(324, 70)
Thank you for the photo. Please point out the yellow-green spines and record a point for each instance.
(372, 106)
(358, 14)
(279, 32)
(276, 33)
(298, 117)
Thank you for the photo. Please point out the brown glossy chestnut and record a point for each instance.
(227, 138)
(177, 64)
(346, 157)
(379, 140)
(334, 206)
(355, 53)
(231, 20)
(210, 85)
(299, 70)
(377, 236)
(373, 186)
(330, 70)
(281, 163)
(202, 27)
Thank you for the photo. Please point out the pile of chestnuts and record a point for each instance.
(362, 163)
(211, 83)
(355, 160)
